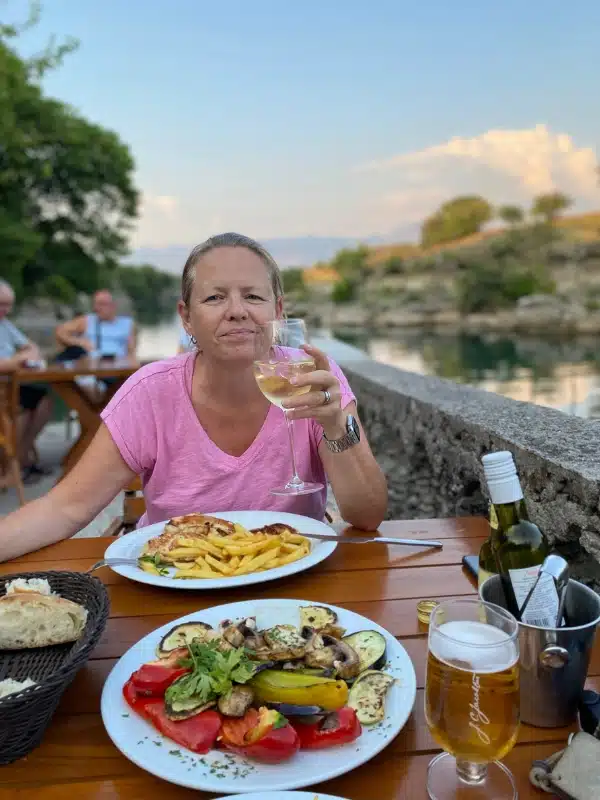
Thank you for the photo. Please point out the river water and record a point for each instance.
(560, 373)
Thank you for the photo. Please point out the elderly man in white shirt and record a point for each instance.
(15, 351)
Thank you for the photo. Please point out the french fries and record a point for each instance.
(237, 553)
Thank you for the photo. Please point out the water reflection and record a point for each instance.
(561, 373)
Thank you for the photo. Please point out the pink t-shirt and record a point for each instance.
(153, 423)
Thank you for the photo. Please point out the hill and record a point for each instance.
(579, 227)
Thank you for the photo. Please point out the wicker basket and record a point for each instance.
(25, 716)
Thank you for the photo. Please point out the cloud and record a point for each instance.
(532, 160)
(165, 203)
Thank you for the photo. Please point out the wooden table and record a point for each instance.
(77, 759)
(61, 378)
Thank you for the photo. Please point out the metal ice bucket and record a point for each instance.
(553, 661)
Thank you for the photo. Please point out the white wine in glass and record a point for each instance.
(277, 360)
(472, 700)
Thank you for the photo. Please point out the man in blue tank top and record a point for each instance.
(103, 333)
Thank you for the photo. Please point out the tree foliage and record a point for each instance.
(67, 197)
(511, 215)
(456, 219)
(293, 279)
(549, 206)
(352, 264)
(153, 293)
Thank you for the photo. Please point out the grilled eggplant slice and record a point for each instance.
(236, 702)
(182, 635)
(367, 696)
(178, 710)
(370, 647)
(290, 710)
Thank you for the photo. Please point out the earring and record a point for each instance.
(193, 340)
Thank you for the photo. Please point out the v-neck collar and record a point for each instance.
(208, 445)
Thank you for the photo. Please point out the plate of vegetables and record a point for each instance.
(258, 696)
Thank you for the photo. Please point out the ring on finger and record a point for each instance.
(326, 397)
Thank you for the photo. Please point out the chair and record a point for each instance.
(134, 506)
(11, 468)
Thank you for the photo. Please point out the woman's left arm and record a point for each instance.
(358, 483)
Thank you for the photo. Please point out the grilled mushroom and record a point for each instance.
(325, 651)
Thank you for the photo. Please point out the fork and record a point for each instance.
(114, 562)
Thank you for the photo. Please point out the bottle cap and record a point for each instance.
(425, 609)
(501, 476)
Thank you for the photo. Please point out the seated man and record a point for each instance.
(102, 333)
(15, 351)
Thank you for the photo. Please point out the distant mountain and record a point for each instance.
(299, 251)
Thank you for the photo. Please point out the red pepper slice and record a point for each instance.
(198, 733)
(264, 735)
(338, 727)
(153, 679)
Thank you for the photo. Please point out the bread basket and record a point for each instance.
(25, 716)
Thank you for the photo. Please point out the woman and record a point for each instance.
(199, 431)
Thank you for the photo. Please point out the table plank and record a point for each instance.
(79, 751)
(399, 617)
(451, 528)
(345, 558)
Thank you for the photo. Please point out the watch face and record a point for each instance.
(352, 426)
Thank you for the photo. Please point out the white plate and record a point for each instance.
(140, 742)
(285, 796)
(130, 546)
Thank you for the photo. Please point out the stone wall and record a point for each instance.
(429, 435)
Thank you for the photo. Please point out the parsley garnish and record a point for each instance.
(213, 673)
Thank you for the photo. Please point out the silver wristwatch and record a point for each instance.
(349, 439)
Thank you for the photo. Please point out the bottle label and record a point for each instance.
(482, 576)
(542, 608)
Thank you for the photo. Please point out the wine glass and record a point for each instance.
(277, 359)
(472, 700)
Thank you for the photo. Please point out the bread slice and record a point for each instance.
(10, 686)
(36, 620)
(36, 585)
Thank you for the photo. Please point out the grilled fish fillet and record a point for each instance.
(190, 526)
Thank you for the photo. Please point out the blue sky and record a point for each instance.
(332, 117)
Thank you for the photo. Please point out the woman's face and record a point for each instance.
(232, 295)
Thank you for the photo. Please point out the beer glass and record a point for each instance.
(472, 700)
(277, 359)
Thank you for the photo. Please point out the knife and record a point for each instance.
(367, 540)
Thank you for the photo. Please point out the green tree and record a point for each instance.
(511, 215)
(153, 293)
(66, 185)
(457, 218)
(488, 285)
(549, 206)
(344, 291)
(293, 279)
(393, 265)
(352, 264)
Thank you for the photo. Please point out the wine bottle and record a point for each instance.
(519, 545)
(487, 558)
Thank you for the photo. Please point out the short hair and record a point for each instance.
(229, 240)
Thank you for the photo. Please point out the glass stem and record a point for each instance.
(295, 481)
(471, 772)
